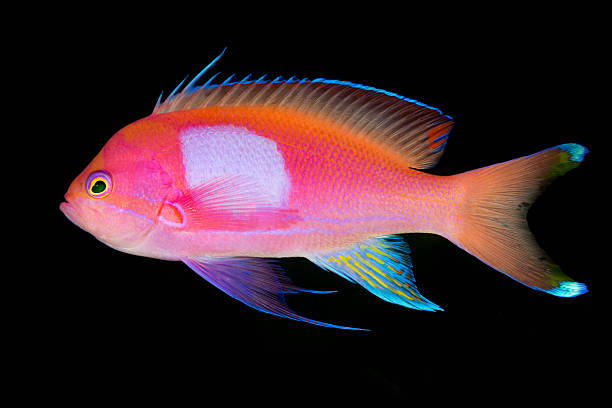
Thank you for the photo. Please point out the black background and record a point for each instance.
(515, 81)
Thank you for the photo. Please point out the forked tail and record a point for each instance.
(495, 226)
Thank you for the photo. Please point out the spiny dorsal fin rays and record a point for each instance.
(197, 77)
(189, 86)
(413, 129)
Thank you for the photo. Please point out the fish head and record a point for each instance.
(119, 195)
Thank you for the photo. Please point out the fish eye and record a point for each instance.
(99, 184)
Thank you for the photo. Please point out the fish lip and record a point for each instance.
(71, 213)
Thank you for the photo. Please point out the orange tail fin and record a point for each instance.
(495, 227)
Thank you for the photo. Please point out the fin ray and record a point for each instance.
(256, 282)
(231, 204)
(494, 227)
(382, 266)
(416, 130)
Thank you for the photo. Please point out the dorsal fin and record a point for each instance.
(417, 131)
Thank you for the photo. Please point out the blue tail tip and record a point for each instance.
(575, 150)
(568, 289)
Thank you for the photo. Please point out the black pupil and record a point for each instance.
(98, 187)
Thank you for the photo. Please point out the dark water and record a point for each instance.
(116, 322)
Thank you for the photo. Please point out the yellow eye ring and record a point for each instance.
(99, 184)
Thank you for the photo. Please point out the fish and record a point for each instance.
(228, 177)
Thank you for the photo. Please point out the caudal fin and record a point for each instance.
(495, 225)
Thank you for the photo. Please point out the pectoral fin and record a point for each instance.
(228, 203)
(257, 282)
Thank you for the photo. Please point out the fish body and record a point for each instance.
(226, 177)
(321, 191)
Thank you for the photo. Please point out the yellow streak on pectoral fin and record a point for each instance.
(390, 278)
(412, 291)
(399, 292)
(345, 259)
(374, 258)
(333, 259)
(383, 253)
(372, 275)
(384, 270)
(370, 264)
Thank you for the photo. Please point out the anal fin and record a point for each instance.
(382, 266)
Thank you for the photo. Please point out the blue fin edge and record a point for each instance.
(261, 80)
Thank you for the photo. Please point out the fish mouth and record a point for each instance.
(72, 214)
(76, 213)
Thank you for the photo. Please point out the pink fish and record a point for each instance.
(226, 177)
